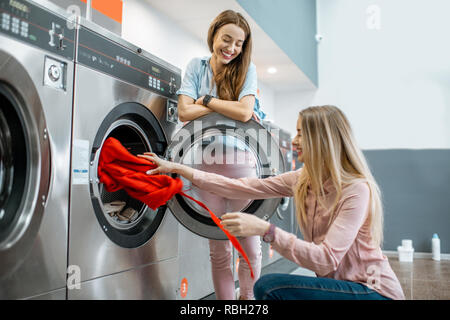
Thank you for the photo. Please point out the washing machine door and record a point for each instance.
(235, 149)
(134, 223)
(24, 165)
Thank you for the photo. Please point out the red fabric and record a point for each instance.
(118, 169)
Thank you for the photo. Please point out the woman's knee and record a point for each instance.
(264, 286)
(220, 252)
(252, 248)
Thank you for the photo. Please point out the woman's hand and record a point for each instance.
(199, 100)
(244, 225)
(163, 165)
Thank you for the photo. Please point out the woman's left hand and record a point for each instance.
(244, 225)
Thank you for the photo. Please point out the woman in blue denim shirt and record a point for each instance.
(225, 83)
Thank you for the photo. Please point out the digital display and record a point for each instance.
(19, 6)
(155, 69)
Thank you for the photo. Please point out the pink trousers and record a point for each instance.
(221, 250)
(222, 273)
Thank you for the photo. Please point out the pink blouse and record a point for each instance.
(341, 251)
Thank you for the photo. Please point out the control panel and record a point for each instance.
(103, 54)
(27, 22)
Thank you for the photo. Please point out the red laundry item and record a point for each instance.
(118, 169)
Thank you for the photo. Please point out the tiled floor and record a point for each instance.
(423, 279)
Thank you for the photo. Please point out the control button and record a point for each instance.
(172, 114)
(172, 86)
(52, 33)
(5, 21)
(15, 25)
(5, 25)
(54, 73)
(61, 45)
(15, 22)
(56, 34)
(24, 29)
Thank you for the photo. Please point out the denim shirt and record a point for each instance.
(198, 81)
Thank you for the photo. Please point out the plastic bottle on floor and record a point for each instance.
(406, 251)
(436, 247)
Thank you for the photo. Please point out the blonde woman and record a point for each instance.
(339, 212)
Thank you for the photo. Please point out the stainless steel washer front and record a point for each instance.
(118, 94)
(35, 149)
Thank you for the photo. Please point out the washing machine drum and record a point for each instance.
(24, 176)
(12, 166)
(217, 144)
(127, 222)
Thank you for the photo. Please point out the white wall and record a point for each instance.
(153, 31)
(267, 99)
(393, 83)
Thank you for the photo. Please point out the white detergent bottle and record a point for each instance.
(436, 247)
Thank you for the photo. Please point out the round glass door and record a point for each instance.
(234, 149)
(24, 175)
(13, 165)
(224, 155)
(126, 221)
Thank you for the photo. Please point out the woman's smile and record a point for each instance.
(226, 55)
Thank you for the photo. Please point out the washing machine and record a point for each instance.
(224, 146)
(284, 214)
(37, 43)
(123, 92)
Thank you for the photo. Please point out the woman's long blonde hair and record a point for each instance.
(330, 151)
(231, 79)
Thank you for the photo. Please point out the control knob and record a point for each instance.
(54, 72)
(172, 86)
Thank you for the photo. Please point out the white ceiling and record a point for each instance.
(195, 16)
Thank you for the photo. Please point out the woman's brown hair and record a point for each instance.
(231, 79)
